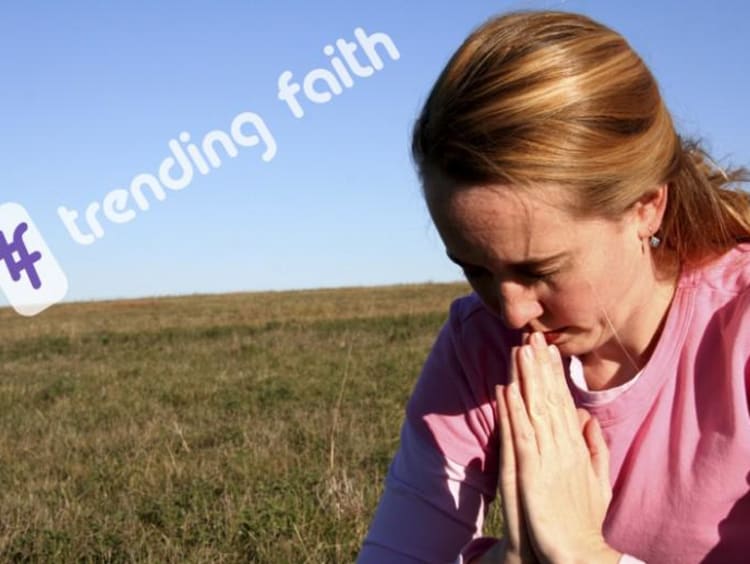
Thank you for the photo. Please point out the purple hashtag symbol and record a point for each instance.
(26, 260)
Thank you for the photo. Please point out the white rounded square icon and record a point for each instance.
(30, 276)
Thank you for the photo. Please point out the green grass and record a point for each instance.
(233, 428)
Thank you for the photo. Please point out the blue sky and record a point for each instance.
(92, 93)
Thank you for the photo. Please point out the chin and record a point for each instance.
(572, 345)
(578, 352)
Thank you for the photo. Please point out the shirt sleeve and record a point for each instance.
(444, 474)
(430, 509)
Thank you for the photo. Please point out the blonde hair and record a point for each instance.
(532, 99)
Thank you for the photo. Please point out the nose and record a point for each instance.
(519, 304)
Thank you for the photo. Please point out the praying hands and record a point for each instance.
(554, 468)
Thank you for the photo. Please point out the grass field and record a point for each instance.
(232, 428)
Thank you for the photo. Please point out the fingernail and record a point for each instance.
(553, 351)
(527, 351)
(538, 339)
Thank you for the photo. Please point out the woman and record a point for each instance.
(610, 274)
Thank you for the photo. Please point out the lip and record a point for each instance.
(553, 336)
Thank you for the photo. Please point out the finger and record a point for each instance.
(534, 358)
(507, 458)
(526, 376)
(514, 370)
(526, 448)
(560, 385)
(599, 454)
(560, 394)
(597, 447)
(583, 417)
(535, 376)
(508, 482)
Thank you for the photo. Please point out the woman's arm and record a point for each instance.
(430, 509)
(445, 472)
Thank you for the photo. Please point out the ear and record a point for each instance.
(649, 211)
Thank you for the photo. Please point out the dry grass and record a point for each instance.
(233, 428)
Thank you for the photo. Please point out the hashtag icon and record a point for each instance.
(25, 260)
(30, 276)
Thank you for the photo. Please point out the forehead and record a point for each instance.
(496, 223)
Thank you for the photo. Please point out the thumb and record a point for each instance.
(583, 417)
(592, 433)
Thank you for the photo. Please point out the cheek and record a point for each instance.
(567, 308)
(585, 299)
(573, 302)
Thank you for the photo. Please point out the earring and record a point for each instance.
(654, 241)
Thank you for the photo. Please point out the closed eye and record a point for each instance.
(538, 276)
(476, 272)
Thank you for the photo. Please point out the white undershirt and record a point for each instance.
(576, 375)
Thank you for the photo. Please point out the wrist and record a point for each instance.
(598, 553)
(603, 554)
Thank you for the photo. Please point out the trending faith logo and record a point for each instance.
(30, 276)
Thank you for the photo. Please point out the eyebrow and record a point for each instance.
(525, 264)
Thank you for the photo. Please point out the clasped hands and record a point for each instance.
(554, 465)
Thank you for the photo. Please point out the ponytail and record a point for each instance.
(707, 213)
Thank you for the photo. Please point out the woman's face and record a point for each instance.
(540, 269)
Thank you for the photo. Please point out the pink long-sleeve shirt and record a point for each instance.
(679, 437)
